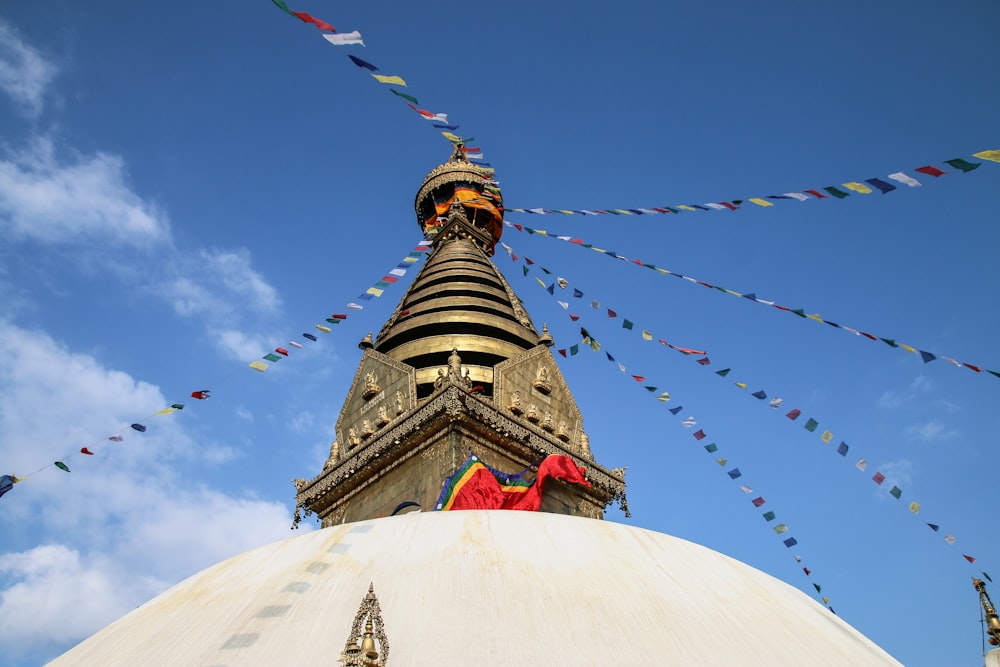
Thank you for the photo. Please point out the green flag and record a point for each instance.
(959, 163)
(839, 194)
(811, 425)
(282, 6)
(896, 492)
(408, 98)
(62, 466)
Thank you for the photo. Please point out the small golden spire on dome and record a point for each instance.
(366, 342)
(546, 337)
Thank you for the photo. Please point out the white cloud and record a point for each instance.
(932, 431)
(127, 522)
(220, 282)
(45, 198)
(25, 73)
(898, 472)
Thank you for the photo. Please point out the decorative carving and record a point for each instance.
(515, 403)
(366, 653)
(367, 430)
(439, 381)
(454, 366)
(371, 389)
(383, 416)
(466, 379)
(547, 422)
(399, 403)
(561, 431)
(541, 382)
(453, 406)
(352, 437)
(300, 483)
(532, 413)
(585, 446)
(334, 455)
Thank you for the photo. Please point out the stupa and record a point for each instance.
(459, 387)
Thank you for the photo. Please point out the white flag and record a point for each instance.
(903, 178)
(796, 195)
(344, 38)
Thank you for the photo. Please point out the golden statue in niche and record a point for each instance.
(352, 437)
(399, 403)
(532, 413)
(547, 423)
(561, 432)
(383, 416)
(371, 389)
(541, 382)
(366, 428)
(515, 403)
(334, 455)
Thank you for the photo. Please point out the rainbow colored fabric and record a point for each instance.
(476, 486)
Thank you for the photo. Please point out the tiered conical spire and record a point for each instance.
(458, 367)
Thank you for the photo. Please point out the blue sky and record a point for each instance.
(183, 187)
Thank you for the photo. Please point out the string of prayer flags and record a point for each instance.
(860, 187)
(376, 290)
(687, 422)
(811, 425)
(927, 357)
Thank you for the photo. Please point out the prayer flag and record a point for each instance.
(816, 193)
(626, 325)
(993, 156)
(6, 484)
(741, 385)
(676, 410)
(826, 437)
(200, 395)
(323, 328)
(689, 422)
(927, 356)
(796, 195)
(794, 414)
(734, 473)
(811, 425)
(818, 589)
(612, 313)
(881, 185)
(272, 357)
(807, 571)
(394, 80)
(723, 373)
(950, 539)
(116, 438)
(664, 397)
(861, 464)
(760, 202)
(790, 542)
(306, 18)
(760, 395)
(781, 528)
(723, 461)
(895, 492)
(959, 163)
(858, 187)
(758, 501)
(165, 411)
(345, 38)
(282, 351)
(638, 378)
(61, 466)
(878, 478)
(365, 65)
(768, 516)
(914, 507)
(711, 448)
(310, 337)
(258, 366)
(842, 449)
(839, 194)
(84, 450)
(139, 427)
(931, 171)
(969, 558)
(934, 527)
(646, 335)
(906, 180)
(573, 349)
(776, 402)
(746, 489)
(562, 352)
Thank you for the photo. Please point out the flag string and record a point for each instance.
(260, 365)
(926, 356)
(864, 187)
(811, 424)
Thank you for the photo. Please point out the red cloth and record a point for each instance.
(483, 491)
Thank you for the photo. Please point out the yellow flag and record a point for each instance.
(258, 366)
(623, 211)
(760, 202)
(664, 397)
(781, 528)
(992, 156)
(646, 335)
(539, 281)
(165, 411)
(322, 328)
(411, 260)
(729, 291)
(907, 347)
(826, 437)
(567, 212)
(722, 462)
(374, 290)
(18, 479)
(599, 249)
(741, 385)
(451, 137)
(389, 79)
(663, 271)
(858, 187)
(826, 601)
(686, 208)
(815, 316)
(915, 507)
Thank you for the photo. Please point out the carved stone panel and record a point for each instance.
(383, 391)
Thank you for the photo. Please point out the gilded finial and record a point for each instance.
(546, 337)
(366, 342)
(989, 612)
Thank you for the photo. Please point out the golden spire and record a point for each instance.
(989, 611)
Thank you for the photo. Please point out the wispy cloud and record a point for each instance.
(50, 397)
(931, 431)
(25, 74)
(44, 197)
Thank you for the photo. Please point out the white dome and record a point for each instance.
(483, 588)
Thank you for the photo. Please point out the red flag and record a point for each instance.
(969, 558)
(806, 570)
(794, 414)
(975, 368)
(930, 171)
(341, 316)
(84, 450)
(699, 434)
(704, 361)
(574, 317)
(322, 25)
(639, 378)
(878, 478)
(562, 352)
(281, 350)
(758, 501)
(728, 205)
(612, 313)
(816, 193)
(201, 395)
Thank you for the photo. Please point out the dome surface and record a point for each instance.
(483, 588)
